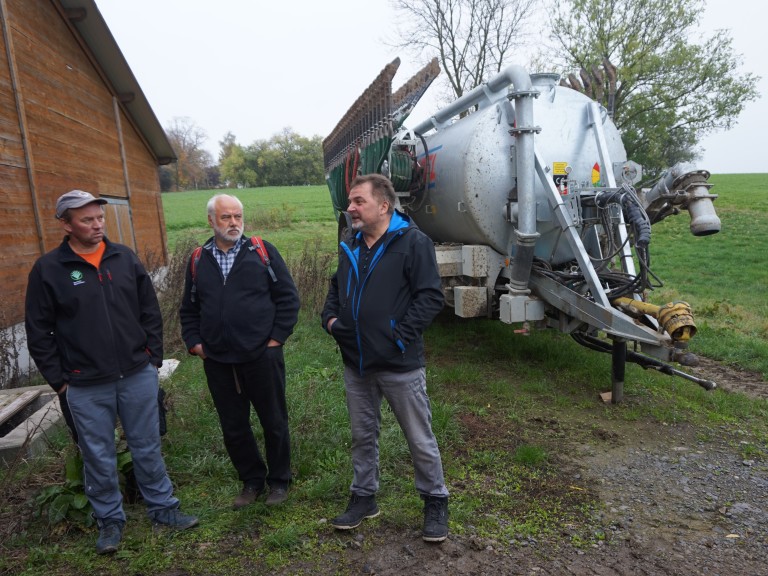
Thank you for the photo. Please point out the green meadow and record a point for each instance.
(292, 216)
(494, 394)
(723, 276)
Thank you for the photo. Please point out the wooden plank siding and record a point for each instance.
(19, 238)
(77, 136)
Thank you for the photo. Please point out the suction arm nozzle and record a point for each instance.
(683, 186)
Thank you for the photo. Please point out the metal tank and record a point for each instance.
(472, 193)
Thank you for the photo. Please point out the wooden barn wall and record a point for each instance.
(19, 242)
(146, 200)
(73, 142)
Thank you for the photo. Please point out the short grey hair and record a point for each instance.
(212, 203)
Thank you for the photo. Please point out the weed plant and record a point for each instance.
(169, 283)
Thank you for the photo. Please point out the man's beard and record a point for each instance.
(228, 234)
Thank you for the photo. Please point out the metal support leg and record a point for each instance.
(618, 364)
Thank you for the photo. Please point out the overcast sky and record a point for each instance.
(254, 68)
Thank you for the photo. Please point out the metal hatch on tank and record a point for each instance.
(525, 187)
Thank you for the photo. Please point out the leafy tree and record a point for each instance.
(236, 170)
(673, 84)
(286, 159)
(307, 161)
(226, 145)
(213, 176)
(272, 161)
(473, 39)
(187, 140)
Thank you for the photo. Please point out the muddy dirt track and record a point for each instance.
(676, 501)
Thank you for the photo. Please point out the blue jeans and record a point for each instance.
(95, 410)
(406, 393)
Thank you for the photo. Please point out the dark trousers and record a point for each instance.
(67, 415)
(261, 384)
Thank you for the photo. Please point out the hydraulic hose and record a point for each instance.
(633, 212)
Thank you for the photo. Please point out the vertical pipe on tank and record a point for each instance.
(525, 233)
(525, 157)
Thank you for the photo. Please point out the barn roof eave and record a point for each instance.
(89, 23)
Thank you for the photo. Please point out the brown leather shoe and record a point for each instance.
(247, 496)
(277, 496)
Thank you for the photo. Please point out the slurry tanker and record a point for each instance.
(525, 188)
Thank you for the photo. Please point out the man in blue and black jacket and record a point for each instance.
(385, 293)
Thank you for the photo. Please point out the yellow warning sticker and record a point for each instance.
(559, 168)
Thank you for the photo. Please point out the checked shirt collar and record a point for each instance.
(226, 259)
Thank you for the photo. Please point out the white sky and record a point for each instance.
(256, 67)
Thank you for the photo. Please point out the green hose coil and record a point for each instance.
(401, 168)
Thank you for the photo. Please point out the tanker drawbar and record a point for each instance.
(537, 215)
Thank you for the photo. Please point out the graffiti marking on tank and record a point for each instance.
(432, 163)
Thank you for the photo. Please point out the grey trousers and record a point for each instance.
(95, 410)
(406, 393)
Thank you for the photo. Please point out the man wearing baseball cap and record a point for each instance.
(95, 332)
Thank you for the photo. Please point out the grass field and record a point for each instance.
(493, 392)
(723, 276)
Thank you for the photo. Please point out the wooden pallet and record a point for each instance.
(13, 402)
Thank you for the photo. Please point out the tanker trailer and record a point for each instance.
(525, 188)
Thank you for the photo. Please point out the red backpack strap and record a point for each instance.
(193, 268)
(258, 245)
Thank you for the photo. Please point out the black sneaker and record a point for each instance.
(174, 518)
(110, 534)
(358, 509)
(435, 519)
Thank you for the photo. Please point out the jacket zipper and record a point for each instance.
(357, 295)
(109, 316)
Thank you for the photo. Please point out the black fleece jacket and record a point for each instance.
(91, 326)
(235, 319)
(382, 313)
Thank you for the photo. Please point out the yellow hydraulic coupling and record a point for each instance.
(676, 318)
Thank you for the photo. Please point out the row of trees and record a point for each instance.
(286, 159)
(666, 83)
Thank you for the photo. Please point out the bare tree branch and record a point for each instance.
(472, 39)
